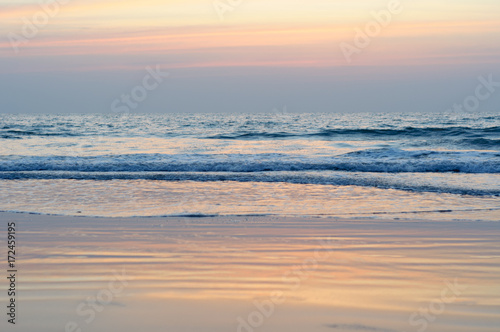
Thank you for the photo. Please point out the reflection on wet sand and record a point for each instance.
(227, 273)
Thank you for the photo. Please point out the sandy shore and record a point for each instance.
(252, 274)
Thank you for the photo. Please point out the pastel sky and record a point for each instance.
(247, 55)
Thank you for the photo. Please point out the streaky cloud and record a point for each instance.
(358, 327)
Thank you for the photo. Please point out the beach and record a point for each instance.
(254, 273)
(250, 166)
(250, 222)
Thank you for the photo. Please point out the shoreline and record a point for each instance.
(375, 217)
(124, 198)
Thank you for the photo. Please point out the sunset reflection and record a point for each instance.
(390, 266)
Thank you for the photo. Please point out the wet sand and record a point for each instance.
(253, 274)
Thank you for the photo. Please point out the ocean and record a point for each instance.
(395, 165)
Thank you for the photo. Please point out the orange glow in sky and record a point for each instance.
(199, 33)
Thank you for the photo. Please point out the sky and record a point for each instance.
(89, 56)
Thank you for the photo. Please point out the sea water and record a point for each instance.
(392, 165)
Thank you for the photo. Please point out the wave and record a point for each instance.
(258, 130)
(480, 143)
(316, 178)
(385, 160)
(18, 134)
(366, 133)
